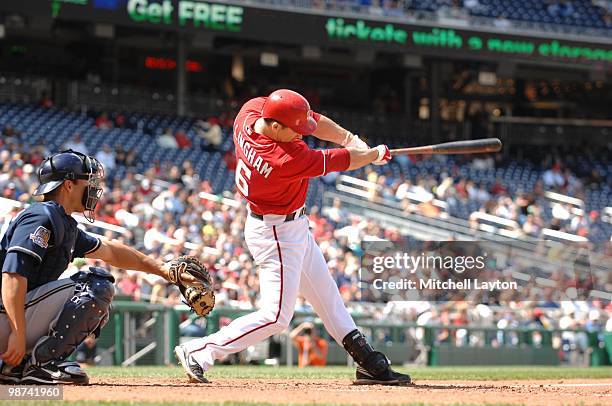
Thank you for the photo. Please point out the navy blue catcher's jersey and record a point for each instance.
(46, 233)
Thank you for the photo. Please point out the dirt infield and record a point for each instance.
(315, 391)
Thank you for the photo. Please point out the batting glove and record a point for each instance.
(384, 155)
(353, 141)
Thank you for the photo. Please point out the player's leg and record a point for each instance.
(320, 290)
(278, 251)
(42, 307)
(84, 312)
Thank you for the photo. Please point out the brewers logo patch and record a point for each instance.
(41, 237)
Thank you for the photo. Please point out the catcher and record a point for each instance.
(42, 318)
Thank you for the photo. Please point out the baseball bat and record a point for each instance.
(457, 147)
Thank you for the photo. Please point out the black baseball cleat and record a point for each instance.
(372, 366)
(193, 370)
(55, 372)
(386, 377)
(12, 374)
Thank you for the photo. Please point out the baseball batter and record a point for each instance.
(272, 174)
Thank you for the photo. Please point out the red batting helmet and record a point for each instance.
(290, 109)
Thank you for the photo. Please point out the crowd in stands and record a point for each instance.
(172, 219)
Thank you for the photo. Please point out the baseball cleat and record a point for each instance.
(55, 372)
(193, 370)
(12, 374)
(387, 377)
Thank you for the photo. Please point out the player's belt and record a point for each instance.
(288, 217)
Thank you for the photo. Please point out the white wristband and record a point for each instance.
(347, 138)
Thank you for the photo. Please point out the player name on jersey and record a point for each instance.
(263, 167)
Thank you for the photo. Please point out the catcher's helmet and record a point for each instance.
(290, 109)
(72, 165)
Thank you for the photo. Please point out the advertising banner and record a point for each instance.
(279, 26)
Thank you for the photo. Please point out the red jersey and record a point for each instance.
(273, 176)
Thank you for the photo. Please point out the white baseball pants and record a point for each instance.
(289, 261)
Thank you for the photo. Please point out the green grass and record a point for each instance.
(476, 373)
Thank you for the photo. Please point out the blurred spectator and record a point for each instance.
(119, 120)
(9, 131)
(560, 8)
(211, 132)
(77, 145)
(498, 188)
(182, 141)
(312, 349)
(45, 100)
(167, 140)
(336, 213)
(106, 156)
(103, 121)
(428, 208)
(128, 285)
(474, 6)
(483, 163)
(553, 178)
(131, 159)
(531, 226)
(502, 22)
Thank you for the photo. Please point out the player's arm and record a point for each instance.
(362, 157)
(329, 130)
(121, 256)
(296, 331)
(309, 163)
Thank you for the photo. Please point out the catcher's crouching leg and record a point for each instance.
(372, 366)
(84, 314)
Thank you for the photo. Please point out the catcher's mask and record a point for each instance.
(72, 165)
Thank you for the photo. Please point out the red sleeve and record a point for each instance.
(304, 162)
(338, 160)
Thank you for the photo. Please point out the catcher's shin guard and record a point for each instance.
(373, 367)
(83, 314)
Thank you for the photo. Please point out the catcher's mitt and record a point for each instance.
(197, 289)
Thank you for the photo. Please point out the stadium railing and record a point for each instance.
(368, 190)
(527, 250)
(124, 342)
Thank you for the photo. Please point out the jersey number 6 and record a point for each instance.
(243, 174)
